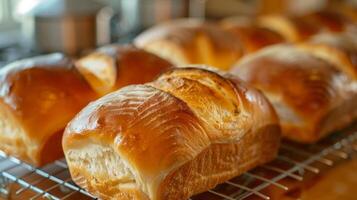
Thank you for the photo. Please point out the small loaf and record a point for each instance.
(311, 96)
(38, 97)
(180, 135)
(191, 41)
(114, 66)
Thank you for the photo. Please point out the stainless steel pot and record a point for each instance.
(69, 34)
(136, 15)
(69, 26)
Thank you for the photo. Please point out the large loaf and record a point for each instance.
(180, 135)
(313, 97)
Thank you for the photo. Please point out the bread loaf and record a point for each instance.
(311, 96)
(191, 41)
(180, 135)
(38, 97)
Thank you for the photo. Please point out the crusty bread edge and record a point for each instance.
(266, 139)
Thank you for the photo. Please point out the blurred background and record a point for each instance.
(31, 27)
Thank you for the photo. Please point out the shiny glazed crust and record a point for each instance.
(190, 41)
(311, 96)
(38, 97)
(114, 66)
(157, 141)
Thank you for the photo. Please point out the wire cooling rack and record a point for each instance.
(19, 180)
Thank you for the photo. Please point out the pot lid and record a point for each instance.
(53, 8)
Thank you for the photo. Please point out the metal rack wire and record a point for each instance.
(295, 161)
(23, 180)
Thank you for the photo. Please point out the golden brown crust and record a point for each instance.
(142, 138)
(304, 90)
(115, 66)
(252, 36)
(39, 95)
(190, 41)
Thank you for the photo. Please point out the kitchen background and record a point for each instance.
(31, 27)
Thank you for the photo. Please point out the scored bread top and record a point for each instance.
(231, 113)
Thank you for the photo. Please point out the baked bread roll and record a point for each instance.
(252, 36)
(294, 29)
(191, 41)
(114, 66)
(38, 97)
(340, 49)
(311, 96)
(182, 134)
